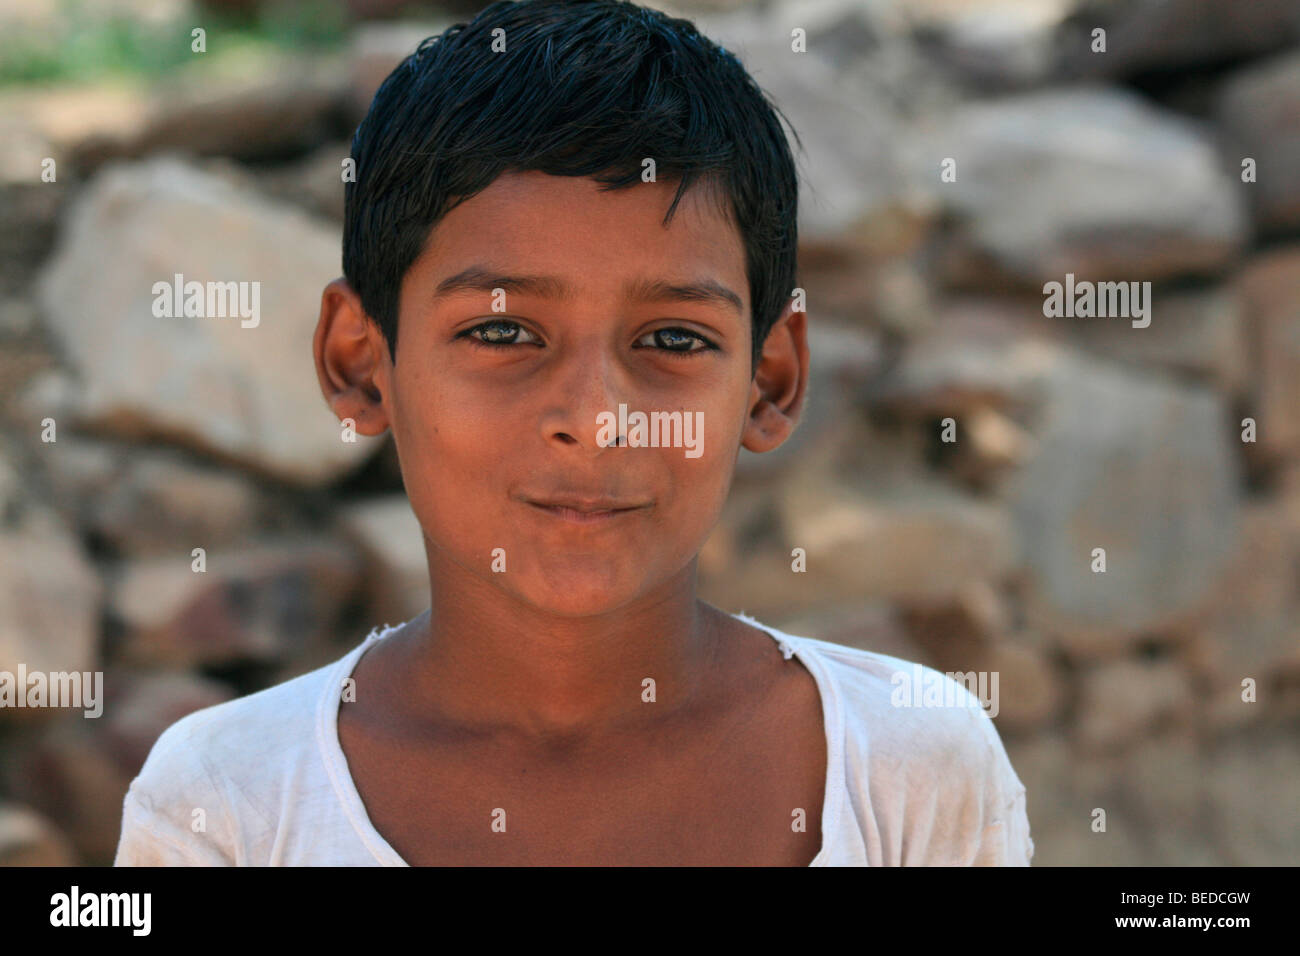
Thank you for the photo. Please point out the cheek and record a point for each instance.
(434, 421)
(702, 470)
(439, 444)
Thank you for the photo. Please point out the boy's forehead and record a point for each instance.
(543, 221)
(533, 188)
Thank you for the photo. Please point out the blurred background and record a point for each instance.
(1170, 155)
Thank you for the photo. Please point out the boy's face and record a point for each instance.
(488, 437)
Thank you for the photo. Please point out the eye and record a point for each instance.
(499, 333)
(673, 335)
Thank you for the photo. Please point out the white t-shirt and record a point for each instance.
(905, 785)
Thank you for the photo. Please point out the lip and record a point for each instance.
(585, 510)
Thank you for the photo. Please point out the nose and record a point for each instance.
(583, 399)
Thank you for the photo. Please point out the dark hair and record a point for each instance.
(585, 88)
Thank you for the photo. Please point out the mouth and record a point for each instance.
(586, 512)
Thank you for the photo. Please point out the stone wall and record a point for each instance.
(957, 158)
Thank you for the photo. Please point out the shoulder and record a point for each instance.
(229, 739)
(213, 777)
(921, 748)
(909, 706)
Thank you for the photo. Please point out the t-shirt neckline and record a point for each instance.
(336, 765)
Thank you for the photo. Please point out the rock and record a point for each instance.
(263, 107)
(1031, 692)
(1094, 182)
(1199, 334)
(256, 114)
(974, 633)
(1221, 705)
(391, 543)
(763, 585)
(1251, 782)
(744, 564)
(190, 505)
(28, 215)
(143, 500)
(1187, 805)
(72, 472)
(978, 355)
(1146, 36)
(857, 191)
(268, 602)
(958, 634)
(314, 184)
(78, 120)
(1289, 493)
(885, 296)
(143, 705)
(747, 523)
(28, 839)
(1164, 796)
(26, 149)
(899, 299)
(18, 317)
(922, 543)
(49, 601)
(993, 444)
(867, 625)
(1127, 700)
(67, 775)
(76, 771)
(1142, 468)
(958, 630)
(1252, 621)
(840, 360)
(1270, 289)
(26, 367)
(992, 46)
(242, 388)
(377, 49)
(1256, 116)
(1062, 791)
(1224, 710)
(845, 99)
(871, 48)
(749, 562)
(255, 110)
(11, 490)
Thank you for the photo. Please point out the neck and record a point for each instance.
(483, 658)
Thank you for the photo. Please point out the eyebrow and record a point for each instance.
(477, 278)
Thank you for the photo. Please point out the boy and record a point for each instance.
(562, 208)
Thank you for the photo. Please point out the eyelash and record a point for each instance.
(475, 340)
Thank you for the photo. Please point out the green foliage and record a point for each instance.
(86, 44)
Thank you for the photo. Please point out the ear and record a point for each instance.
(352, 361)
(776, 398)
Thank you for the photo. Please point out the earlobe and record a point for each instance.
(780, 383)
(349, 356)
(767, 427)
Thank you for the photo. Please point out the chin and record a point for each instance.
(579, 594)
